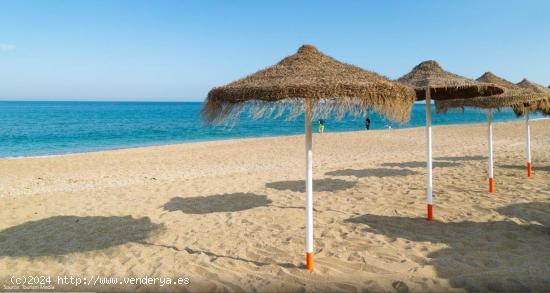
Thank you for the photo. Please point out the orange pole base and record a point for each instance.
(309, 261)
(529, 169)
(430, 212)
(491, 185)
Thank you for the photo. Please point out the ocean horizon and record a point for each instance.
(44, 128)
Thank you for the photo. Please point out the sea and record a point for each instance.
(33, 128)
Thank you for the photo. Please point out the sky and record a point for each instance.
(178, 50)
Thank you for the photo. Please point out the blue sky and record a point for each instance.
(178, 50)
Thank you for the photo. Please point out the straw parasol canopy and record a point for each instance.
(309, 74)
(513, 95)
(445, 85)
(525, 83)
(492, 78)
(541, 105)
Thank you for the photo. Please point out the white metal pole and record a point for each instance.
(490, 150)
(309, 188)
(429, 152)
(528, 143)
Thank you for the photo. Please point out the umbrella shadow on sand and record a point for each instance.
(530, 212)
(373, 172)
(480, 255)
(319, 185)
(419, 164)
(229, 202)
(461, 158)
(524, 167)
(62, 235)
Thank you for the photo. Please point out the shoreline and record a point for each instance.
(235, 140)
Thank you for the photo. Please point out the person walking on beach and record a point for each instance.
(321, 125)
(367, 123)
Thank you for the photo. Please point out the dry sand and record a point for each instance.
(229, 215)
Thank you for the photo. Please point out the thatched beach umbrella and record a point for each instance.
(432, 82)
(542, 105)
(317, 84)
(513, 95)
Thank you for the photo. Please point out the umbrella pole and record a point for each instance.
(309, 188)
(429, 152)
(528, 143)
(490, 150)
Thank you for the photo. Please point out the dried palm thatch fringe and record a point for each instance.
(541, 106)
(513, 95)
(329, 85)
(445, 85)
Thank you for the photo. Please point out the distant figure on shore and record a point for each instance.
(321, 125)
(367, 123)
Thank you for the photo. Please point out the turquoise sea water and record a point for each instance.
(49, 128)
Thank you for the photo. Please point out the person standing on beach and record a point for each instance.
(321, 125)
(367, 123)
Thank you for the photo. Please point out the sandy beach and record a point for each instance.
(229, 215)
